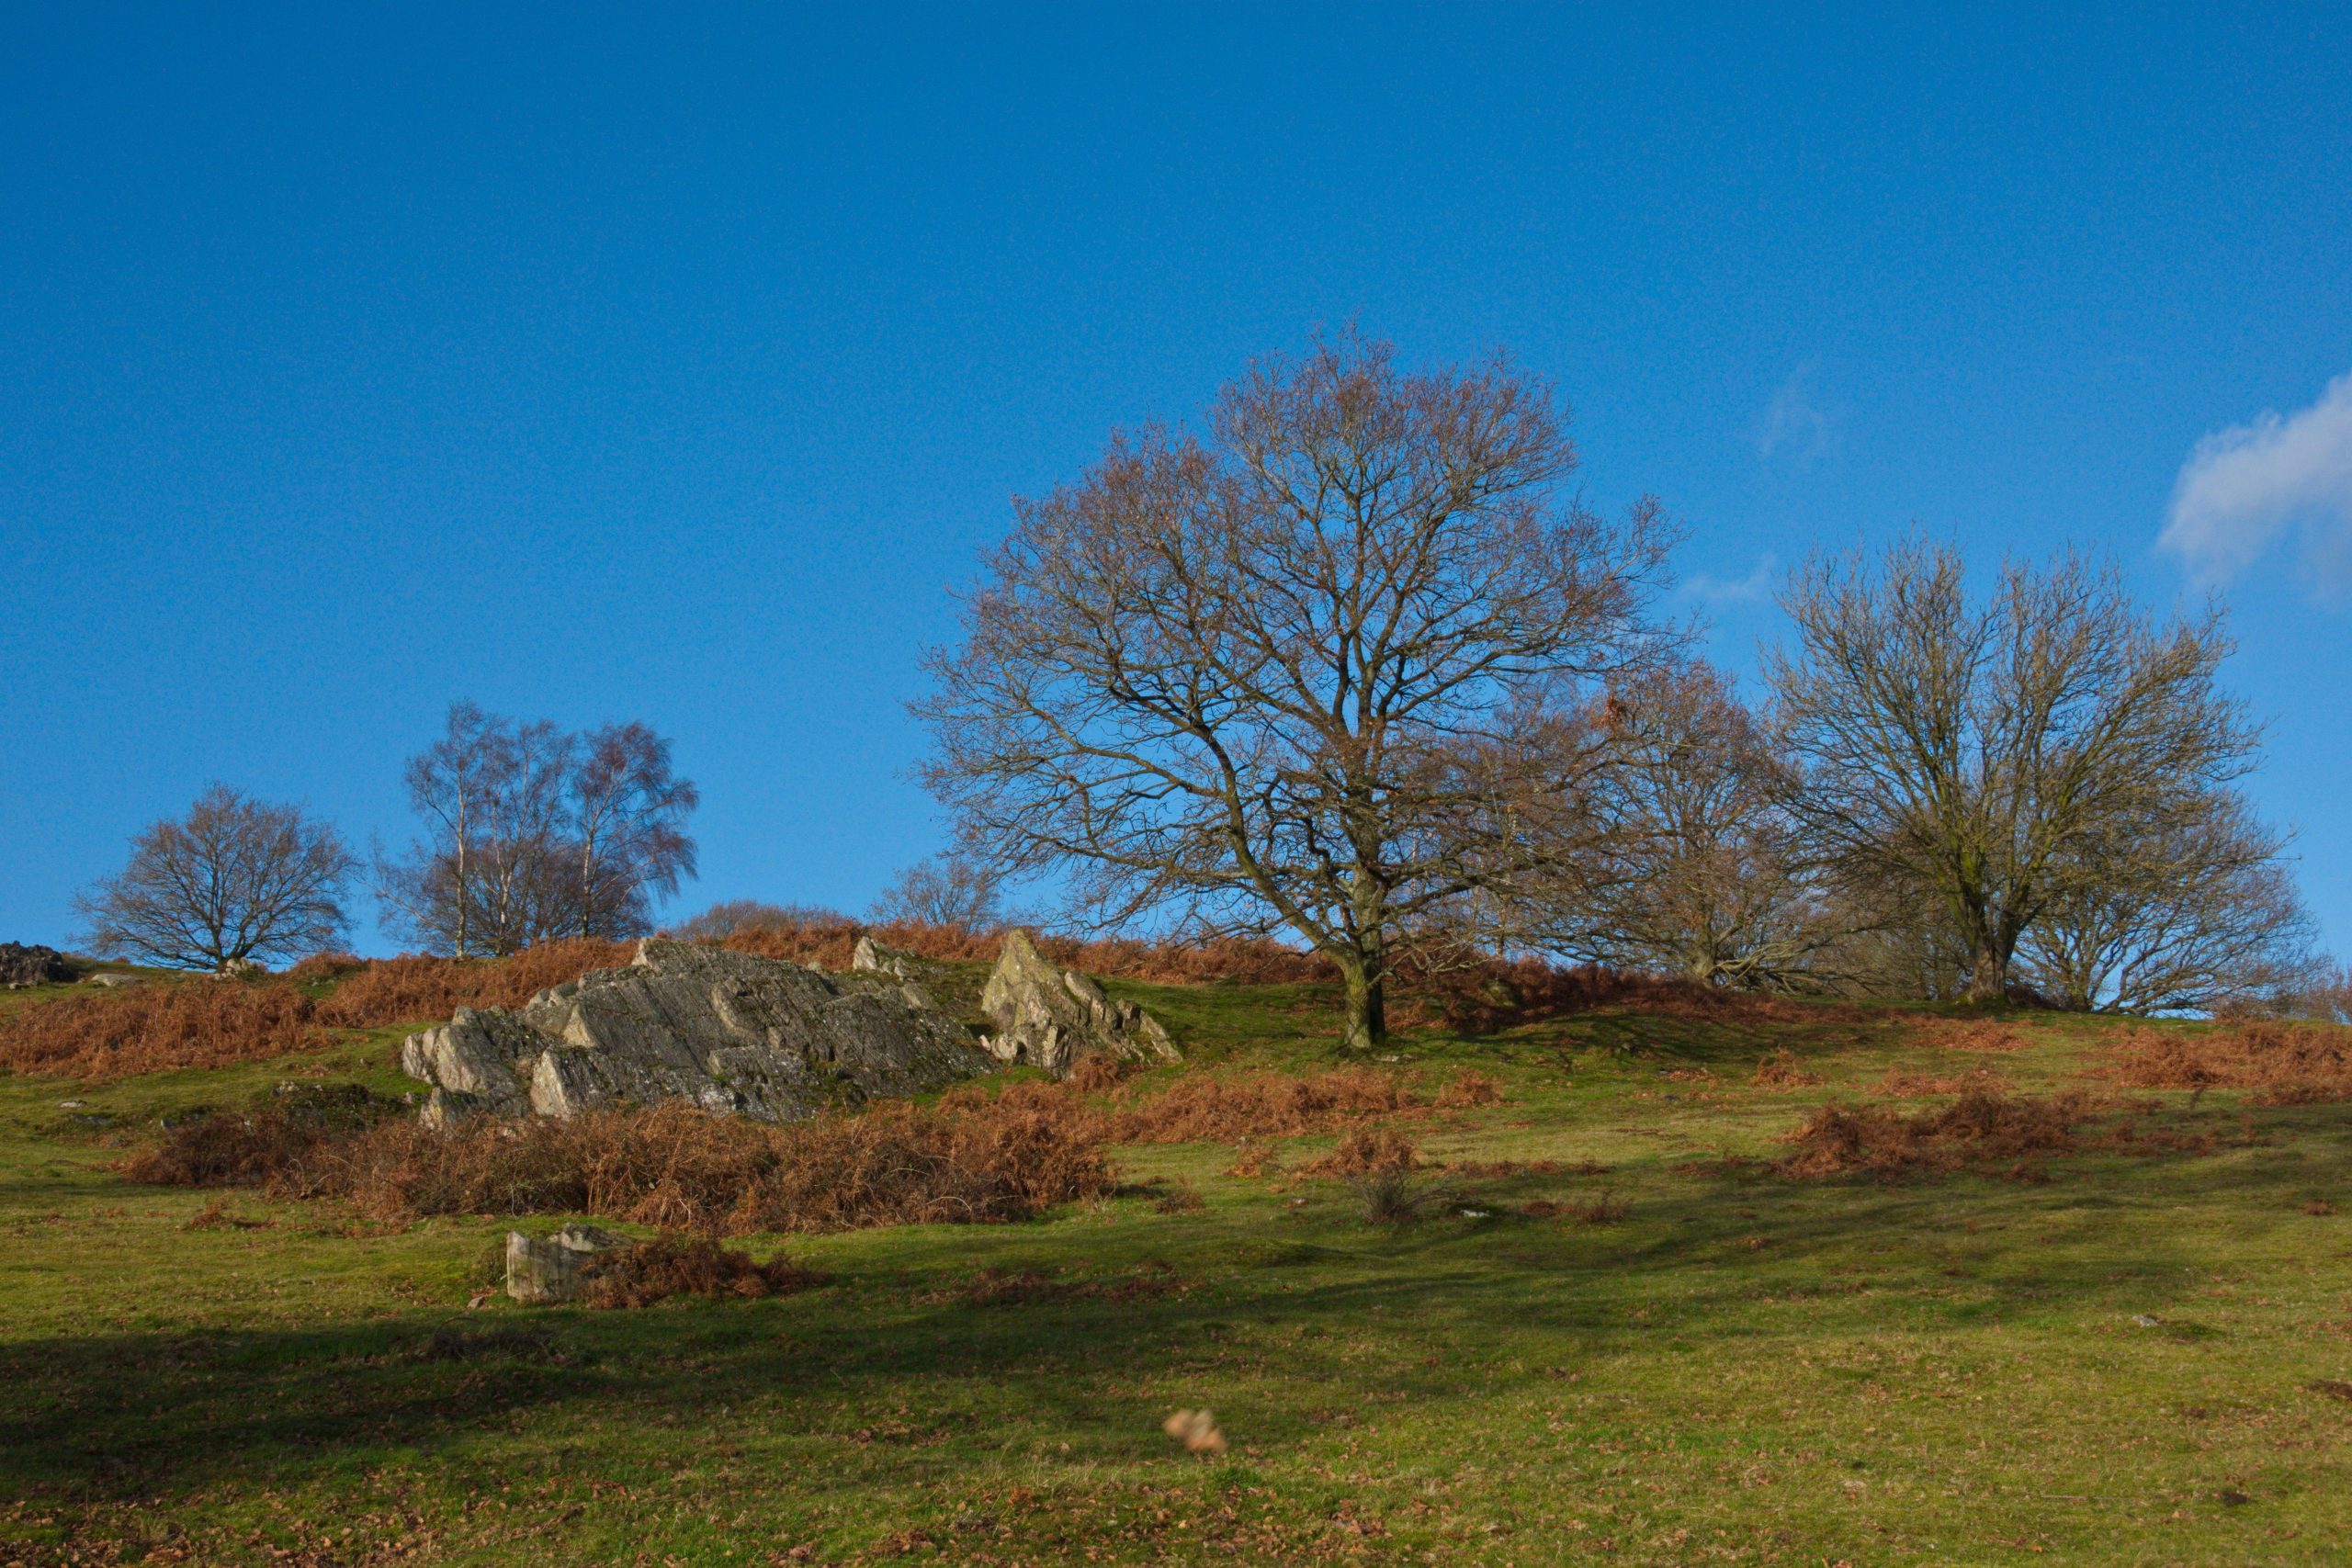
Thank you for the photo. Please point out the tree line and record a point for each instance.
(1355, 664)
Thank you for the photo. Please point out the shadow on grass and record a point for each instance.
(1453, 1312)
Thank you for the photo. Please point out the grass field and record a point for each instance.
(2145, 1359)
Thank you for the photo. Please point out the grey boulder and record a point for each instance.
(542, 1269)
(721, 1030)
(1054, 1018)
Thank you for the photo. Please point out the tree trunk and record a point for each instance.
(1988, 975)
(1367, 1024)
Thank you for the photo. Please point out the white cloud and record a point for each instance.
(2247, 487)
(1739, 590)
(1793, 424)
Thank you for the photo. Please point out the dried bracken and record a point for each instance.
(2272, 1063)
(894, 1164)
(1979, 1131)
(668, 1266)
(1780, 1069)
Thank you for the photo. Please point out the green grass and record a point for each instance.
(1745, 1370)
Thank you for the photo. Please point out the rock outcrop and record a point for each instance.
(23, 964)
(723, 1031)
(1054, 1018)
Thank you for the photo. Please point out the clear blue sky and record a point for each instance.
(672, 364)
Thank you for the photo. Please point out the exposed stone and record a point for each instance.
(107, 979)
(1053, 1018)
(723, 1031)
(870, 956)
(547, 1269)
(24, 965)
(238, 969)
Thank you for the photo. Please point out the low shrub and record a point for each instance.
(1379, 1166)
(668, 1266)
(1980, 1130)
(271, 1143)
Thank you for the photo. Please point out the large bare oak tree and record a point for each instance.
(1284, 676)
(1999, 759)
(236, 881)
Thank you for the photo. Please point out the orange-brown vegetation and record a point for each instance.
(1979, 1130)
(827, 942)
(2274, 1062)
(671, 1265)
(160, 1025)
(1481, 996)
(893, 1164)
(219, 1024)
(1984, 1130)
(1780, 1069)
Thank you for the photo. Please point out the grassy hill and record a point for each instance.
(1630, 1338)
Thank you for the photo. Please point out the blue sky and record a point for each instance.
(673, 364)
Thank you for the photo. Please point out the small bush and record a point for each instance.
(1378, 1165)
(665, 1267)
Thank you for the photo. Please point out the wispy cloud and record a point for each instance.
(1795, 427)
(2245, 489)
(1714, 590)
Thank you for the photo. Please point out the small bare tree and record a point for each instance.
(1997, 757)
(1700, 874)
(1283, 676)
(628, 829)
(531, 834)
(2189, 916)
(945, 891)
(236, 881)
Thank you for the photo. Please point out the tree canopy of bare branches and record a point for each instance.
(235, 881)
(945, 891)
(2001, 759)
(1284, 676)
(2193, 916)
(1691, 865)
(531, 834)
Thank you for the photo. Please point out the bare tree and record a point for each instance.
(1697, 873)
(627, 820)
(429, 896)
(236, 881)
(532, 834)
(1995, 756)
(1280, 677)
(945, 891)
(2189, 916)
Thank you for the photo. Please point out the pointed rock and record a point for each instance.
(1052, 1018)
